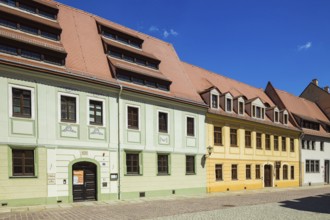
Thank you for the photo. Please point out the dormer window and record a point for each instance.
(215, 101)
(310, 125)
(258, 112)
(229, 105)
(241, 108)
(285, 118)
(276, 116)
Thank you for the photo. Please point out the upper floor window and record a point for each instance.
(162, 122)
(267, 142)
(214, 101)
(276, 116)
(43, 11)
(283, 143)
(23, 162)
(310, 125)
(241, 108)
(229, 105)
(233, 137)
(21, 101)
(95, 112)
(258, 112)
(276, 143)
(190, 126)
(258, 142)
(285, 118)
(68, 109)
(291, 145)
(121, 37)
(321, 146)
(247, 138)
(132, 117)
(217, 135)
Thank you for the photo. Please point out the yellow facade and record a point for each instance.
(226, 155)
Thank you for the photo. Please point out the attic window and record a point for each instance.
(285, 119)
(241, 108)
(258, 112)
(214, 101)
(121, 37)
(37, 9)
(229, 105)
(276, 116)
(132, 58)
(310, 125)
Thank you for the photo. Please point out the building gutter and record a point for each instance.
(119, 140)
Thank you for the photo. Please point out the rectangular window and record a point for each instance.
(292, 172)
(30, 54)
(234, 171)
(248, 172)
(285, 172)
(190, 126)
(248, 139)
(283, 143)
(218, 172)
(307, 166)
(258, 112)
(241, 108)
(23, 162)
(68, 109)
(291, 144)
(132, 163)
(285, 119)
(303, 143)
(233, 137)
(190, 164)
(258, 142)
(217, 135)
(162, 122)
(228, 105)
(276, 116)
(313, 145)
(21, 103)
(8, 49)
(257, 171)
(317, 166)
(29, 29)
(214, 101)
(132, 117)
(312, 169)
(277, 173)
(276, 143)
(267, 142)
(95, 112)
(308, 144)
(321, 146)
(162, 164)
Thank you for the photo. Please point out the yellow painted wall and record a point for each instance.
(227, 155)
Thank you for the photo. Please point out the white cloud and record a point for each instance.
(166, 33)
(305, 46)
(153, 29)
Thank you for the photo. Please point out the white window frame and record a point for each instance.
(59, 94)
(228, 96)
(103, 111)
(186, 124)
(10, 92)
(285, 122)
(240, 100)
(139, 117)
(168, 121)
(216, 93)
(278, 112)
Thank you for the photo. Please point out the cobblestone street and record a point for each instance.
(298, 203)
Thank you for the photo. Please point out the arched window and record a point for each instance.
(285, 172)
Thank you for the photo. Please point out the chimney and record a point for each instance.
(327, 89)
(315, 82)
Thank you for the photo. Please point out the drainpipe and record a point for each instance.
(119, 142)
(300, 161)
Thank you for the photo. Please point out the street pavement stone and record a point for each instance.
(297, 203)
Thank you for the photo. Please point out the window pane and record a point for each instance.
(133, 117)
(190, 126)
(162, 122)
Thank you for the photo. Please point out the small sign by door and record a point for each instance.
(78, 177)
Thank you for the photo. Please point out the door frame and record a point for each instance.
(271, 175)
(98, 178)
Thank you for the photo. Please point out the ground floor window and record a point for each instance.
(257, 171)
(23, 162)
(190, 164)
(248, 172)
(162, 164)
(218, 172)
(277, 173)
(133, 163)
(292, 172)
(312, 166)
(285, 172)
(234, 172)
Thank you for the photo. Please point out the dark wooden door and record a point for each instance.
(84, 181)
(268, 176)
(326, 171)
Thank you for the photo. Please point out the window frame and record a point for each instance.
(232, 144)
(226, 104)
(236, 172)
(23, 174)
(11, 109)
(188, 134)
(214, 136)
(246, 138)
(167, 167)
(218, 172)
(188, 171)
(248, 172)
(139, 167)
(284, 146)
(257, 146)
(167, 122)
(268, 142)
(241, 109)
(138, 118)
(292, 147)
(292, 172)
(276, 142)
(217, 101)
(60, 94)
(258, 171)
(285, 170)
(103, 112)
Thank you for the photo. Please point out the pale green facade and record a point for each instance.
(57, 145)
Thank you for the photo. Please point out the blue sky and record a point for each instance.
(286, 42)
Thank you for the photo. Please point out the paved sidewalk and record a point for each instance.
(158, 207)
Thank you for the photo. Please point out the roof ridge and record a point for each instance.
(114, 23)
(214, 73)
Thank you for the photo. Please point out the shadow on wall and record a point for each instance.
(319, 204)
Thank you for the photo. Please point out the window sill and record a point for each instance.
(163, 174)
(190, 174)
(22, 116)
(220, 180)
(233, 145)
(132, 174)
(249, 147)
(218, 145)
(23, 177)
